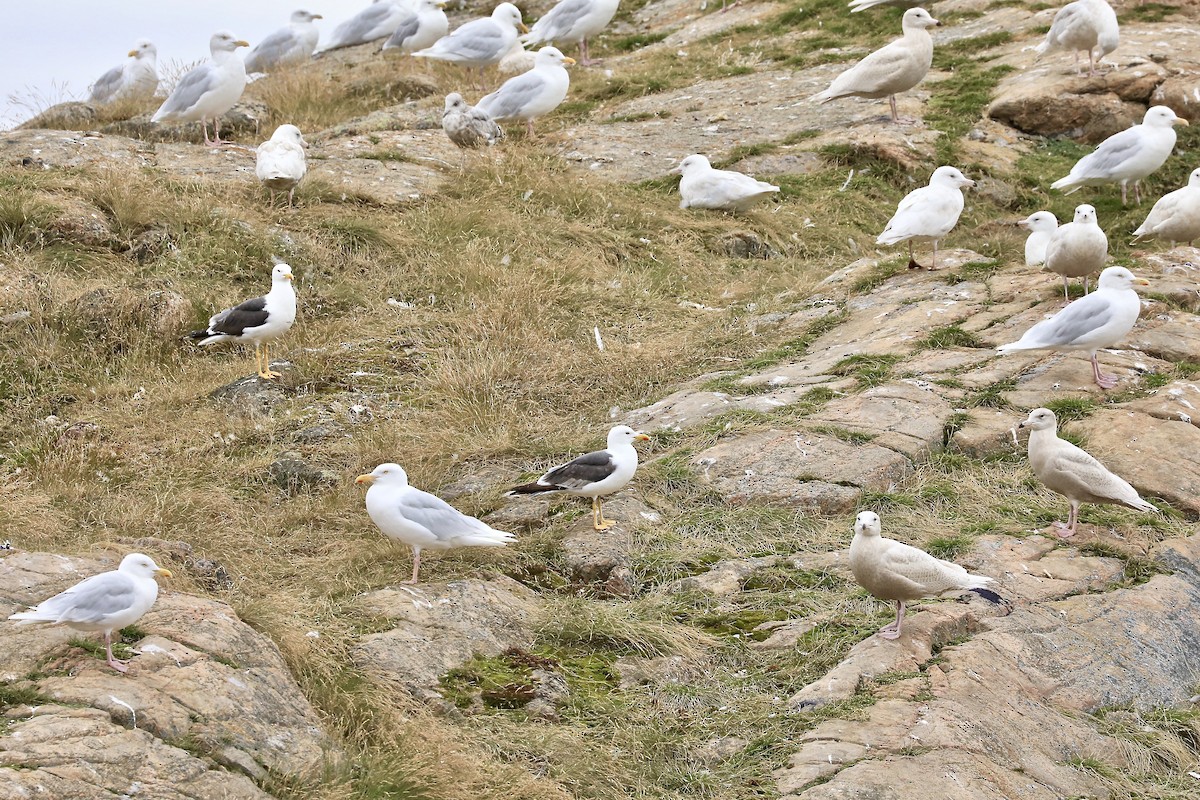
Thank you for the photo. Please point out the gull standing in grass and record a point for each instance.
(895, 68)
(1077, 249)
(1089, 25)
(531, 94)
(280, 161)
(595, 475)
(260, 320)
(293, 44)
(1130, 155)
(209, 90)
(377, 21)
(136, 77)
(573, 21)
(422, 520)
(424, 25)
(1176, 216)
(721, 189)
(1099, 320)
(1041, 226)
(466, 125)
(106, 602)
(480, 42)
(928, 213)
(1072, 472)
(900, 573)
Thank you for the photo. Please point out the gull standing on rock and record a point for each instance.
(105, 602)
(573, 21)
(900, 573)
(293, 44)
(422, 520)
(209, 90)
(1127, 156)
(1077, 249)
(480, 42)
(1072, 472)
(425, 24)
(280, 161)
(1089, 25)
(377, 21)
(1091, 323)
(724, 190)
(1176, 216)
(137, 76)
(895, 68)
(531, 94)
(466, 125)
(1041, 226)
(260, 320)
(928, 213)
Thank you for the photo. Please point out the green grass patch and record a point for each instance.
(868, 369)
(949, 336)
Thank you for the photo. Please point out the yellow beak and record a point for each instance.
(241, 43)
(641, 437)
(317, 16)
(289, 276)
(568, 60)
(368, 478)
(132, 53)
(166, 573)
(1140, 282)
(524, 29)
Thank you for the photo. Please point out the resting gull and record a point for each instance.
(573, 21)
(531, 94)
(702, 186)
(1176, 216)
(1089, 25)
(1041, 225)
(900, 573)
(425, 24)
(595, 475)
(105, 602)
(928, 213)
(136, 77)
(209, 90)
(1077, 249)
(863, 5)
(466, 125)
(260, 320)
(422, 520)
(894, 68)
(1127, 156)
(1072, 472)
(280, 161)
(480, 42)
(1099, 320)
(293, 44)
(377, 21)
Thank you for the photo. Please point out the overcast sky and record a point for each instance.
(52, 50)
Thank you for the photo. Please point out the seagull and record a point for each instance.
(928, 213)
(425, 24)
(894, 571)
(1089, 25)
(209, 90)
(573, 21)
(480, 42)
(1101, 319)
(105, 602)
(419, 519)
(531, 94)
(377, 21)
(863, 5)
(724, 190)
(293, 44)
(1041, 226)
(137, 76)
(1077, 249)
(280, 160)
(894, 68)
(595, 475)
(1130, 155)
(261, 320)
(1176, 216)
(466, 125)
(1072, 472)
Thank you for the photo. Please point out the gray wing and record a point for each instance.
(1111, 154)
(355, 30)
(478, 39)
(559, 20)
(93, 601)
(1072, 323)
(510, 99)
(108, 84)
(436, 515)
(407, 28)
(270, 50)
(234, 321)
(583, 471)
(191, 88)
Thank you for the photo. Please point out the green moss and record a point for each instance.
(949, 336)
(1067, 409)
(868, 369)
(947, 547)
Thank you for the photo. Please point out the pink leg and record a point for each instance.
(892, 105)
(204, 131)
(119, 666)
(1137, 192)
(933, 265)
(1124, 195)
(892, 631)
(1103, 380)
(912, 262)
(1066, 289)
(416, 564)
(1087, 284)
(1068, 530)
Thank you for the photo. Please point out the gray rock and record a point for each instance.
(251, 395)
(744, 244)
(295, 475)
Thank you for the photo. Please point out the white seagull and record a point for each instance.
(1127, 156)
(1077, 249)
(422, 520)
(209, 90)
(260, 320)
(531, 94)
(1089, 25)
(105, 602)
(377, 21)
(293, 44)
(480, 42)
(1099, 320)
(1041, 225)
(595, 475)
(702, 186)
(425, 24)
(280, 161)
(1176, 216)
(573, 21)
(928, 213)
(137, 76)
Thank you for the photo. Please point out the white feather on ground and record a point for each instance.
(702, 186)
(291, 44)
(422, 520)
(1099, 320)
(532, 94)
(280, 162)
(136, 77)
(1176, 216)
(1072, 472)
(1089, 25)
(929, 213)
(1041, 225)
(1077, 249)
(209, 90)
(424, 25)
(573, 21)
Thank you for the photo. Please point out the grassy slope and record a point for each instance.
(509, 270)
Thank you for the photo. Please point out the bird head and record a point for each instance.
(385, 475)
(867, 524)
(507, 12)
(1194, 179)
(305, 16)
(950, 176)
(142, 566)
(1120, 278)
(289, 133)
(918, 18)
(281, 273)
(224, 42)
(1085, 214)
(143, 48)
(1162, 117)
(623, 434)
(693, 163)
(1040, 221)
(455, 101)
(1040, 419)
(551, 56)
